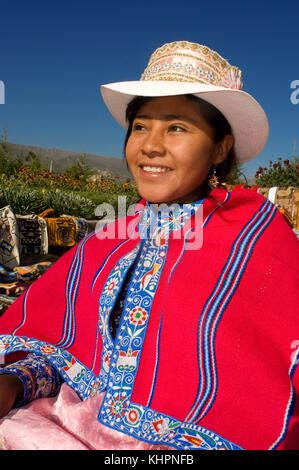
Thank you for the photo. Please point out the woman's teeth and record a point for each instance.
(155, 169)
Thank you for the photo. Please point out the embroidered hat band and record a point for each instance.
(190, 62)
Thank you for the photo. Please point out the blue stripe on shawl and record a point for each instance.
(71, 290)
(24, 312)
(290, 405)
(216, 208)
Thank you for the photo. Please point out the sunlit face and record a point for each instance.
(171, 150)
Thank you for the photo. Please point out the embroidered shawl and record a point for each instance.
(205, 354)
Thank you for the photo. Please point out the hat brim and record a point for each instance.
(246, 117)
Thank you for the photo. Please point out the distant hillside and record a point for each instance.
(63, 158)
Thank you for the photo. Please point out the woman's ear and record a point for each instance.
(223, 148)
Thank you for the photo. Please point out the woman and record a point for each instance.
(175, 325)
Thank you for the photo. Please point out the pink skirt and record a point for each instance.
(64, 423)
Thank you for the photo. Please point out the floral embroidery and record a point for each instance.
(133, 415)
(110, 288)
(127, 361)
(118, 406)
(48, 349)
(137, 316)
(94, 390)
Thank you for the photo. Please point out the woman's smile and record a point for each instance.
(150, 171)
(154, 169)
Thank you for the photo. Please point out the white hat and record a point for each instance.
(181, 68)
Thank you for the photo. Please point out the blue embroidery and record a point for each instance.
(106, 304)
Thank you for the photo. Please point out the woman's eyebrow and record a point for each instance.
(166, 117)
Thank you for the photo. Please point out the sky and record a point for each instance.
(54, 55)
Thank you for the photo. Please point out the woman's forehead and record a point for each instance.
(169, 108)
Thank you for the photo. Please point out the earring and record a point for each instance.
(213, 179)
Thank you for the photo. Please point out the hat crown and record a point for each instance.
(184, 61)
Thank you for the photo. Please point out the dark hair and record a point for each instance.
(211, 114)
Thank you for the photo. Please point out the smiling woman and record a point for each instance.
(169, 344)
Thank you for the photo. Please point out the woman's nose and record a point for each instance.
(153, 144)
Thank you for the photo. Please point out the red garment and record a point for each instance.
(218, 345)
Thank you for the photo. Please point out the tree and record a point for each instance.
(79, 170)
(35, 161)
(8, 165)
(235, 176)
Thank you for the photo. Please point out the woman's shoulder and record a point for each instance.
(247, 203)
(243, 195)
(240, 202)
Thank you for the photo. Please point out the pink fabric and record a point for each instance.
(64, 423)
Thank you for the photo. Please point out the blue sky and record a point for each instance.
(54, 55)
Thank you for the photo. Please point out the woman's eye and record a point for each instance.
(138, 127)
(176, 128)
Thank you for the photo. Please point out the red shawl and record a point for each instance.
(210, 360)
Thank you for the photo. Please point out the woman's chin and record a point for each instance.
(154, 195)
(173, 198)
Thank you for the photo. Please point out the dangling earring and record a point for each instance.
(213, 179)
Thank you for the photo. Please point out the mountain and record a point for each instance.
(64, 158)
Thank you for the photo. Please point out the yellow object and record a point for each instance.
(286, 215)
(61, 230)
(297, 218)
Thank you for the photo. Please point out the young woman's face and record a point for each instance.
(171, 150)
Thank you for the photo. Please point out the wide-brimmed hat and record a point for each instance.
(181, 68)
